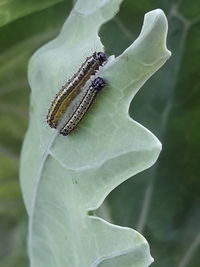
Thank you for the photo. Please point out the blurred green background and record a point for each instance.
(163, 202)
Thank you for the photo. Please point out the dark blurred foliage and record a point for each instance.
(163, 203)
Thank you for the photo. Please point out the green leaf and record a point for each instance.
(12, 9)
(17, 45)
(163, 202)
(65, 178)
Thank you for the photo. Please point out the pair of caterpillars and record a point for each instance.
(73, 90)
